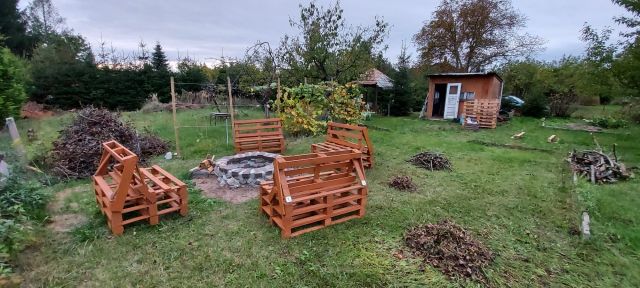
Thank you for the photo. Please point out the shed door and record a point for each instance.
(452, 101)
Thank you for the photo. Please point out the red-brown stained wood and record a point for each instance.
(313, 191)
(344, 136)
(126, 193)
(484, 110)
(258, 135)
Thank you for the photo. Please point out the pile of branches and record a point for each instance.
(450, 249)
(431, 161)
(598, 167)
(402, 183)
(77, 151)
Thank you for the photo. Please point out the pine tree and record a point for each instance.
(159, 59)
(402, 97)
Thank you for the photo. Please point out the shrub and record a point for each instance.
(609, 122)
(22, 203)
(535, 106)
(631, 111)
(305, 109)
(12, 84)
(562, 104)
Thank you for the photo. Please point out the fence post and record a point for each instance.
(15, 136)
(173, 107)
(231, 112)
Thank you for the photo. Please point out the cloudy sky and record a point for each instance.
(204, 28)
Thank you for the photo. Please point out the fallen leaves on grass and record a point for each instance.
(450, 249)
(402, 183)
(431, 161)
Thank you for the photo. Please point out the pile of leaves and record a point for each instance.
(77, 151)
(431, 161)
(402, 183)
(598, 166)
(450, 249)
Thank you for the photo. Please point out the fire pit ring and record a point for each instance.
(246, 169)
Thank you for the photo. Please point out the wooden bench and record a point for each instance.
(345, 136)
(258, 135)
(313, 191)
(126, 193)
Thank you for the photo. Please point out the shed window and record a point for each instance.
(467, 96)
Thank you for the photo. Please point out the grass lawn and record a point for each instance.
(521, 204)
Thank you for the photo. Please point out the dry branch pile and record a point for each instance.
(77, 151)
(598, 167)
(450, 249)
(431, 161)
(402, 183)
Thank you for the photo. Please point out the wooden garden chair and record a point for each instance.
(258, 135)
(313, 191)
(127, 193)
(346, 137)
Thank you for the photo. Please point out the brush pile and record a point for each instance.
(402, 183)
(431, 161)
(598, 167)
(450, 249)
(77, 151)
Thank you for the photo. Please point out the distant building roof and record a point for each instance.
(465, 74)
(373, 77)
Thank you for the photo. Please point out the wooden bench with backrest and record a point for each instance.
(258, 135)
(312, 191)
(126, 193)
(345, 136)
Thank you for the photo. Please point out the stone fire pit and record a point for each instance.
(246, 169)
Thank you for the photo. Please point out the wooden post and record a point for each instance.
(173, 107)
(278, 91)
(231, 112)
(15, 136)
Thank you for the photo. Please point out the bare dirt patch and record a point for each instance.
(450, 249)
(66, 222)
(56, 205)
(212, 189)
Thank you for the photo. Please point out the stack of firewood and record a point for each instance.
(598, 167)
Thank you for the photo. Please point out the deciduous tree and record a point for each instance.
(469, 35)
(326, 48)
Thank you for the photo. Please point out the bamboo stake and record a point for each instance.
(173, 107)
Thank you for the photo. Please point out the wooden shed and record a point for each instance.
(448, 93)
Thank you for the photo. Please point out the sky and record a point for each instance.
(205, 29)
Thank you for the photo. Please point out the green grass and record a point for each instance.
(521, 204)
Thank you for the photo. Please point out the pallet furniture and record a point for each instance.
(258, 135)
(484, 111)
(126, 193)
(313, 191)
(344, 136)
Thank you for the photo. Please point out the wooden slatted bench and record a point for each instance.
(345, 136)
(126, 193)
(258, 135)
(313, 191)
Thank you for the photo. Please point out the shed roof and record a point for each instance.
(466, 74)
(375, 77)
